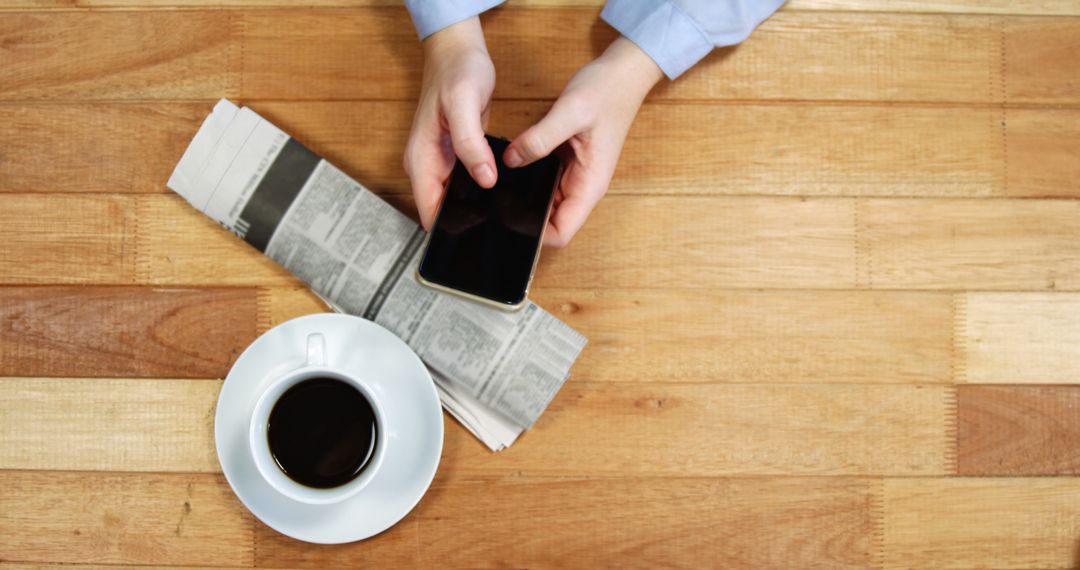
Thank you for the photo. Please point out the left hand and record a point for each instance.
(592, 116)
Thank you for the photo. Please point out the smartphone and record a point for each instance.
(486, 241)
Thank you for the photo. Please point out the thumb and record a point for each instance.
(541, 139)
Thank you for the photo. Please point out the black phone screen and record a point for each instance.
(485, 241)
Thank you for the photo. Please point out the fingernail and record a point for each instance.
(513, 158)
(483, 175)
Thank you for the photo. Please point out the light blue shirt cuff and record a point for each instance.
(678, 33)
(662, 30)
(430, 16)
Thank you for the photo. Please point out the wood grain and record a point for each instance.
(673, 335)
(1032, 7)
(644, 523)
(856, 56)
(123, 331)
(1042, 153)
(39, 566)
(710, 243)
(669, 335)
(313, 54)
(757, 336)
(673, 148)
(180, 245)
(1016, 338)
(707, 430)
(108, 424)
(836, 150)
(121, 55)
(70, 238)
(980, 523)
(971, 244)
(650, 523)
(1018, 430)
(719, 242)
(1040, 59)
(715, 242)
(94, 147)
(718, 429)
(114, 518)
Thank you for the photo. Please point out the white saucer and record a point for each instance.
(413, 427)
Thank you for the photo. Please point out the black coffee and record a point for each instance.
(322, 432)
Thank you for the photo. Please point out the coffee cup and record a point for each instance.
(316, 432)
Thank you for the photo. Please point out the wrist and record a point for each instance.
(634, 65)
(463, 36)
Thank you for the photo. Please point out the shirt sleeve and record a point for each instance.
(430, 16)
(678, 33)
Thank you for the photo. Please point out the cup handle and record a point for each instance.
(316, 350)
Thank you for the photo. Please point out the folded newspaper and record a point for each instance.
(495, 371)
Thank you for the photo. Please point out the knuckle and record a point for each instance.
(578, 109)
(533, 145)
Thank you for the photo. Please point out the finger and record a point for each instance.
(578, 201)
(463, 117)
(562, 122)
(428, 161)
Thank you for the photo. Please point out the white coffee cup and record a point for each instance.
(260, 447)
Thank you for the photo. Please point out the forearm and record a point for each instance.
(634, 68)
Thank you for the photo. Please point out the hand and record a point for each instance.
(451, 116)
(592, 116)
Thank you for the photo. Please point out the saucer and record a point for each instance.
(413, 427)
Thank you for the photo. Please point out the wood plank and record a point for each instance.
(708, 430)
(904, 243)
(311, 54)
(650, 523)
(970, 244)
(709, 243)
(671, 335)
(1017, 338)
(283, 54)
(725, 429)
(757, 245)
(94, 147)
(1018, 430)
(108, 424)
(124, 331)
(1031, 7)
(758, 336)
(180, 245)
(646, 523)
(980, 523)
(70, 238)
(856, 56)
(1042, 153)
(39, 566)
(287, 55)
(674, 148)
(132, 518)
(1040, 63)
(836, 150)
(119, 55)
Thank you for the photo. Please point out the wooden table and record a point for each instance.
(833, 295)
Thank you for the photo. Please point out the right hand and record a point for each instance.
(451, 115)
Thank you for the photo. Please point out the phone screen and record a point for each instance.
(485, 241)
